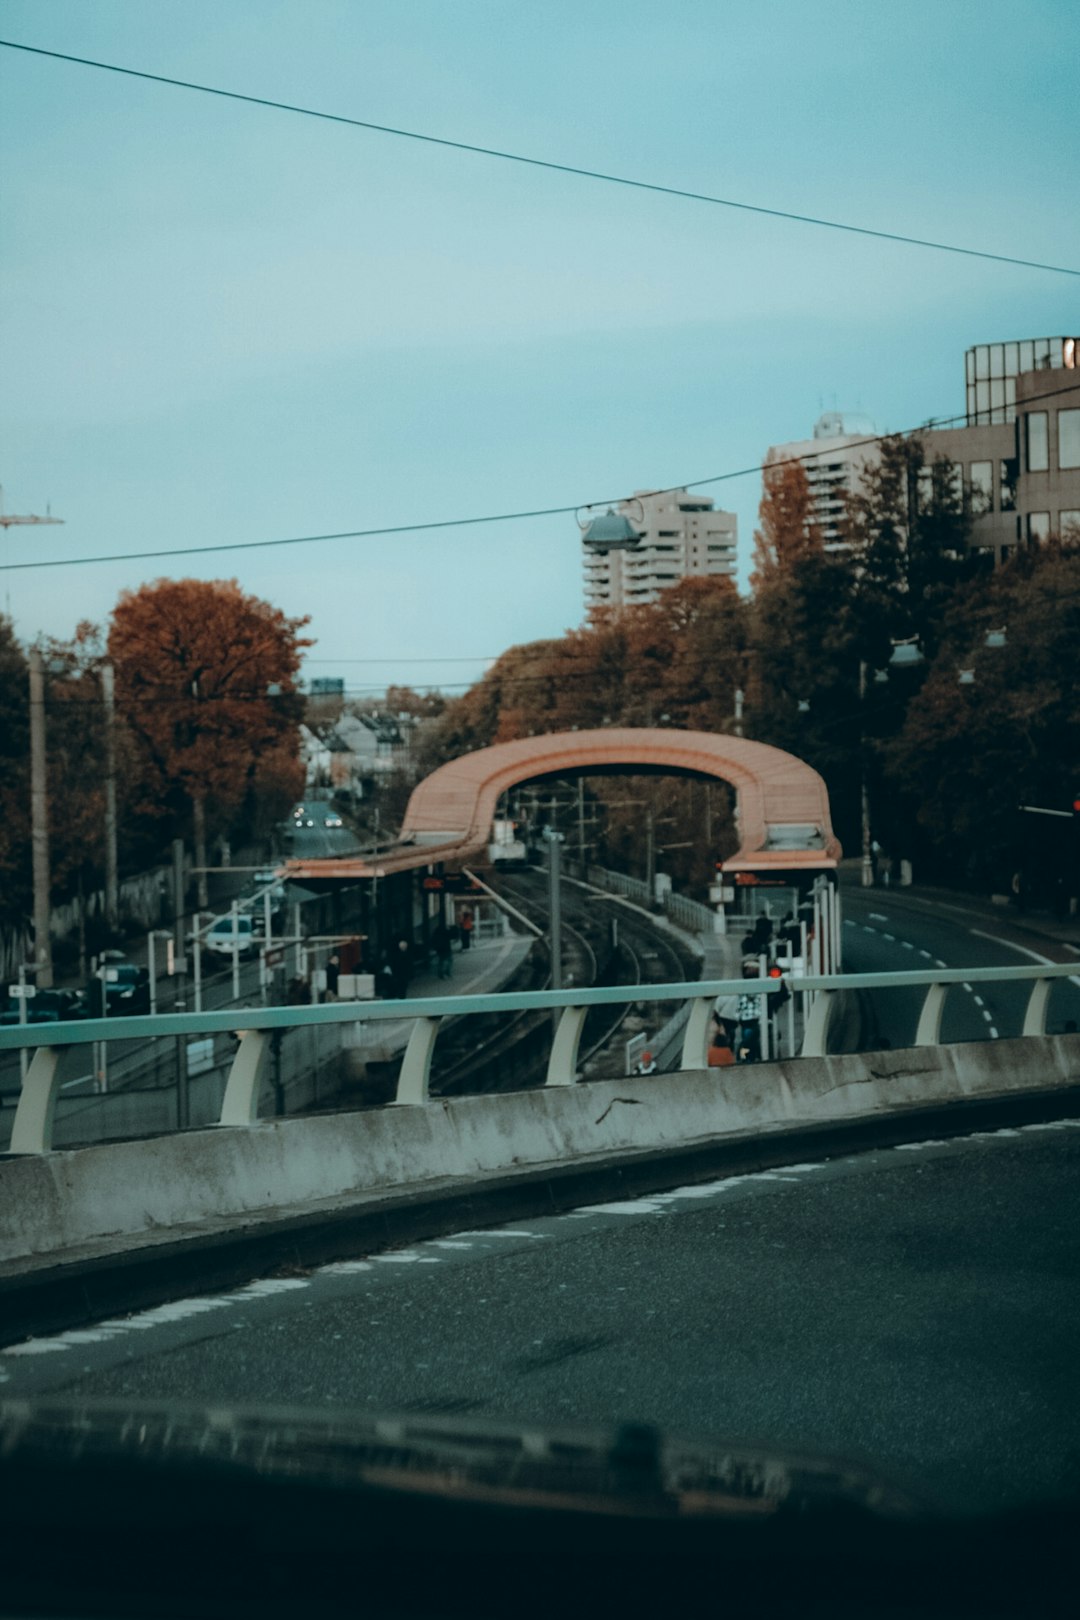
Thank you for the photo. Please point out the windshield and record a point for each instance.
(540, 783)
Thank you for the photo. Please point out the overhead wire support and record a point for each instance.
(549, 164)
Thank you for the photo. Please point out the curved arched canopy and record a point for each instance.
(783, 805)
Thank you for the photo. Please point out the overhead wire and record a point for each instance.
(549, 164)
(390, 530)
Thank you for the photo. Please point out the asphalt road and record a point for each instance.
(890, 931)
(916, 1307)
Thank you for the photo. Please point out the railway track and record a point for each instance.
(603, 943)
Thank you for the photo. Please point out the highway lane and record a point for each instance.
(895, 931)
(916, 1307)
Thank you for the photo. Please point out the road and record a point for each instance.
(891, 931)
(916, 1307)
(138, 1063)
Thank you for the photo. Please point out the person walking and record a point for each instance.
(646, 1064)
(465, 924)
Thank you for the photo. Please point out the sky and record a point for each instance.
(223, 324)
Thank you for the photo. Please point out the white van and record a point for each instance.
(228, 934)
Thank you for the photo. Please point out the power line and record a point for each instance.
(388, 531)
(545, 163)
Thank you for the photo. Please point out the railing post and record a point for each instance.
(929, 1030)
(695, 1046)
(562, 1064)
(412, 1086)
(32, 1129)
(240, 1104)
(1035, 1015)
(816, 1033)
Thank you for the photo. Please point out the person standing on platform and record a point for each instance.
(443, 948)
(465, 924)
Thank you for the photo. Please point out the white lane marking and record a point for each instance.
(968, 988)
(36, 1347)
(866, 928)
(906, 943)
(1021, 949)
(404, 1257)
(270, 1285)
(915, 1147)
(878, 916)
(978, 1000)
(929, 958)
(993, 1033)
(344, 1268)
(450, 1243)
(848, 923)
(891, 937)
(988, 1016)
(938, 962)
(501, 1232)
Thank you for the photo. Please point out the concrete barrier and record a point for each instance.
(126, 1195)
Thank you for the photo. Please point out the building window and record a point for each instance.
(1038, 527)
(1007, 485)
(1069, 438)
(1035, 432)
(982, 487)
(1069, 525)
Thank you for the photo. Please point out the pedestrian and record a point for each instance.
(720, 1051)
(443, 947)
(748, 1049)
(465, 925)
(726, 1016)
(646, 1064)
(333, 973)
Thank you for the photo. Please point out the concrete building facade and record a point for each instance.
(843, 444)
(681, 535)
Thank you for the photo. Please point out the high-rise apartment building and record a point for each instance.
(679, 535)
(843, 444)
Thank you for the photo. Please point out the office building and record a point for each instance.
(679, 535)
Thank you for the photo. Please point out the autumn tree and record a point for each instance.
(206, 681)
(789, 531)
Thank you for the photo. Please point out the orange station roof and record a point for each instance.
(783, 805)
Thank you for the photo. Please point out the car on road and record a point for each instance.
(333, 820)
(47, 1007)
(125, 987)
(228, 936)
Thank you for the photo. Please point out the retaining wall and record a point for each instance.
(131, 1193)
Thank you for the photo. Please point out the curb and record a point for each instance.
(53, 1298)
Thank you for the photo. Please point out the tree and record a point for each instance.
(205, 678)
(968, 755)
(789, 532)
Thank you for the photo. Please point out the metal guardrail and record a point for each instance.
(32, 1130)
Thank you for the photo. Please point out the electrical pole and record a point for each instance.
(112, 883)
(864, 792)
(180, 968)
(554, 842)
(39, 823)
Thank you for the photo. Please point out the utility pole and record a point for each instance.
(112, 883)
(180, 967)
(650, 847)
(554, 842)
(39, 823)
(581, 824)
(864, 792)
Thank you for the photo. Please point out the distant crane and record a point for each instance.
(8, 518)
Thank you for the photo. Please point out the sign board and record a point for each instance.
(21, 991)
(356, 987)
(200, 1056)
(275, 959)
(433, 885)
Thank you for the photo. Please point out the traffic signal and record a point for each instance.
(1076, 804)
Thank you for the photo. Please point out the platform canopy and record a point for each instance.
(783, 804)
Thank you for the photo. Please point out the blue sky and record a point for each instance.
(227, 324)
